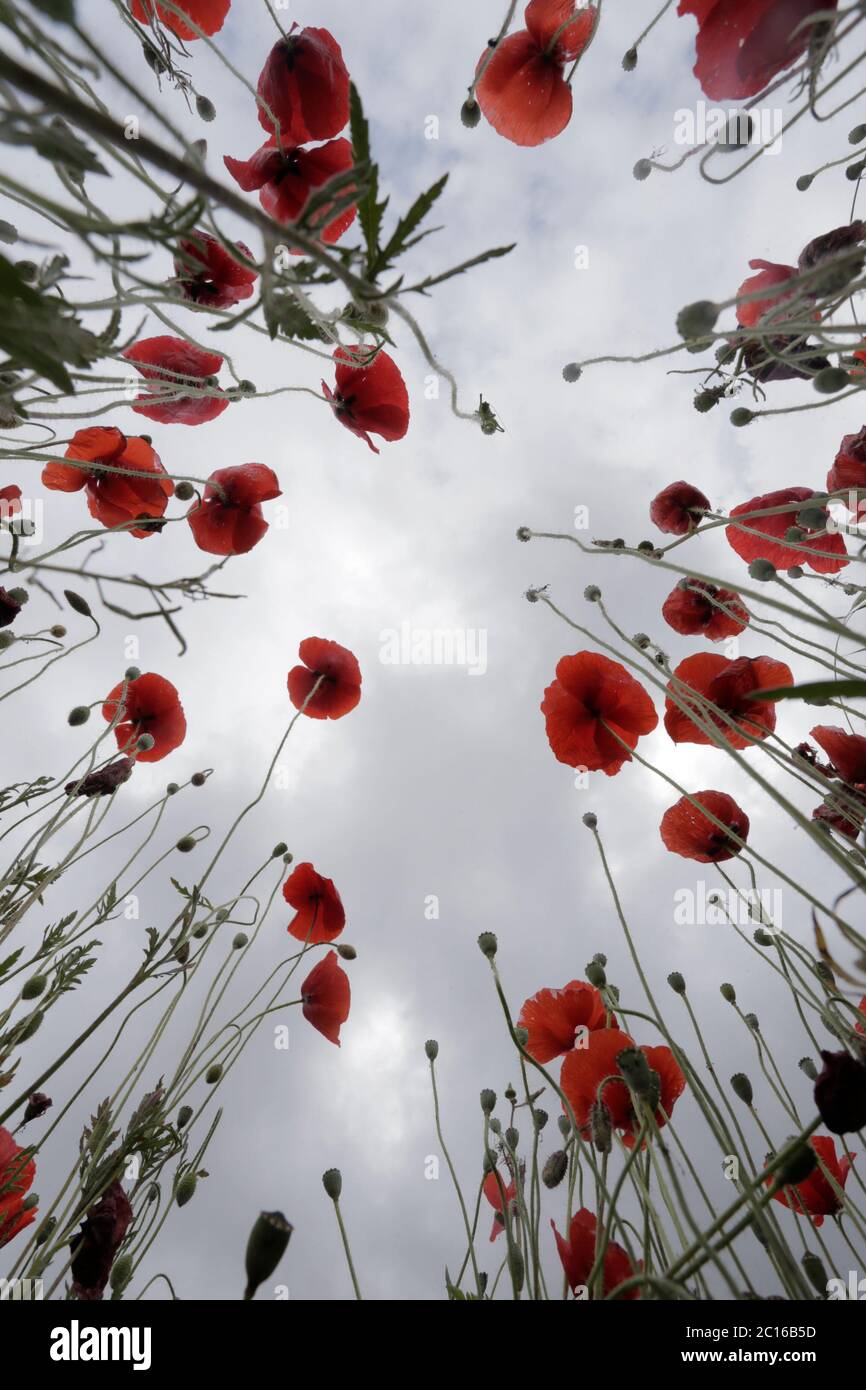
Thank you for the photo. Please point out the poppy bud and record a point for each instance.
(705, 400)
(601, 1127)
(797, 1167)
(815, 1272)
(182, 953)
(762, 570)
(470, 114)
(830, 380)
(742, 1088)
(676, 982)
(522, 1035)
(145, 742)
(808, 1068)
(247, 388)
(431, 1047)
(571, 372)
(332, 1182)
(200, 931)
(185, 844)
(213, 1074)
(198, 779)
(279, 850)
(172, 789)
(512, 1138)
(205, 108)
(854, 171)
(524, 533)
(488, 944)
(221, 914)
(37, 1105)
(488, 1101)
(840, 1093)
(752, 1020)
(595, 974)
(857, 135)
(184, 491)
(184, 1115)
(823, 971)
(590, 820)
(642, 170)
(741, 416)
(629, 60)
(265, 1248)
(6, 640)
(186, 1189)
(46, 1230)
(121, 1273)
(347, 952)
(592, 593)
(698, 319)
(77, 603)
(510, 1094)
(288, 858)
(516, 1267)
(77, 716)
(762, 937)
(34, 987)
(240, 941)
(564, 1126)
(728, 993)
(555, 1169)
(30, 1025)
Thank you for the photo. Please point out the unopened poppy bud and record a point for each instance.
(279, 850)
(571, 372)
(240, 941)
(332, 1182)
(636, 1069)
(488, 944)
(213, 1074)
(77, 603)
(288, 858)
(830, 380)
(555, 1169)
(857, 135)
(741, 416)
(705, 400)
(247, 388)
(496, 1125)
(590, 820)
(29, 1025)
(30, 1202)
(185, 844)
(642, 170)
(34, 987)
(762, 570)
(431, 1047)
(521, 1035)
(516, 1267)
(728, 993)
(824, 972)
(510, 1094)
(676, 982)
(646, 547)
(182, 953)
(596, 975)
(762, 937)
(184, 491)
(46, 1230)
(488, 1101)
(37, 1105)
(205, 108)
(200, 931)
(629, 60)
(592, 593)
(198, 779)
(6, 640)
(347, 952)
(698, 319)
(470, 114)
(813, 1268)
(742, 1087)
(524, 533)
(752, 1021)
(121, 1273)
(186, 1189)
(265, 1248)
(797, 1167)
(794, 533)
(221, 914)
(77, 716)
(172, 789)
(840, 1093)
(601, 1127)
(564, 1126)
(184, 1115)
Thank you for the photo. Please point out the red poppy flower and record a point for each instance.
(815, 1197)
(140, 491)
(586, 1067)
(166, 359)
(10, 501)
(687, 831)
(759, 539)
(207, 274)
(152, 706)
(369, 398)
(578, 1256)
(590, 692)
(319, 913)
(678, 508)
(696, 609)
(326, 997)
(229, 520)
(492, 1193)
(209, 15)
(16, 1179)
(340, 689)
(743, 44)
(861, 1009)
(769, 277)
(95, 1246)
(552, 1018)
(522, 89)
(847, 752)
(305, 85)
(284, 180)
(849, 467)
(727, 685)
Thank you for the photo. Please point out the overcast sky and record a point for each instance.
(441, 782)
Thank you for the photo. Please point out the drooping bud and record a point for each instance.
(571, 372)
(697, 320)
(77, 603)
(184, 1115)
(346, 952)
(205, 108)
(470, 114)
(741, 416)
(830, 380)
(186, 843)
(213, 1074)
(629, 60)
(564, 1126)
(265, 1248)
(121, 1273)
(77, 716)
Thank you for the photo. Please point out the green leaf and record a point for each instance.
(370, 210)
(55, 141)
(493, 254)
(63, 11)
(40, 331)
(814, 692)
(399, 239)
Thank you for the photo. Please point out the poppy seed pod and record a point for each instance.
(540, 1118)
(265, 1248)
(488, 944)
(213, 1074)
(172, 789)
(797, 1167)
(752, 1021)
(332, 1182)
(77, 716)
(742, 1087)
(762, 937)
(564, 1126)
(555, 1169)
(808, 1068)
(698, 319)
(572, 372)
(596, 975)
(198, 779)
(488, 1101)
(34, 987)
(728, 993)
(813, 1268)
(741, 416)
(186, 1189)
(590, 820)
(601, 1127)
(676, 982)
(512, 1138)
(346, 952)
(431, 1047)
(840, 1093)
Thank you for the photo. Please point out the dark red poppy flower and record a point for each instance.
(697, 609)
(770, 277)
(339, 673)
(678, 508)
(369, 397)
(137, 492)
(816, 1197)
(840, 1093)
(207, 274)
(37, 1105)
(586, 1067)
(849, 467)
(228, 520)
(553, 1017)
(284, 180)
(152, 706)
(522, 89)
(9, 608)
(10, 501)
(208, 15)
(743, 44)
(17, 1172)
(304, 85)
(326, 997)
(840, 256)
(95, 1246)
(319, 913)
(494, 1197)
(104, 780)
(761, 538)
(578, 1256)
(727, 685)
(177, 363)
(687, 831)
(592, 703)
(847, 752)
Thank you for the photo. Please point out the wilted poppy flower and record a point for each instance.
(578, 1256)
(494, 1197)
(208, 15)
(769, 277)
(590, 692)
(743, 44)
(284, 180)
(10, 501)
(207, 274)
(9, 608)
(319, 913)
(586, 1067)
(229, 520)
(304, 85)
(522, 89)
(727, 685)
(370, 397)
(760, 537)
(166, 359)
(849, 468)
(553, 1017)
(840, 1093)
(326, 997)
(140, 490)
(815, 1197)
(37, 1105)
(152, 706)
(340, 675)
(678, 508)
(17, 1172)
(697, 609)
(839, 254)
(95, 1246)
(847, 752)
(687, 831)
(104, 780)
